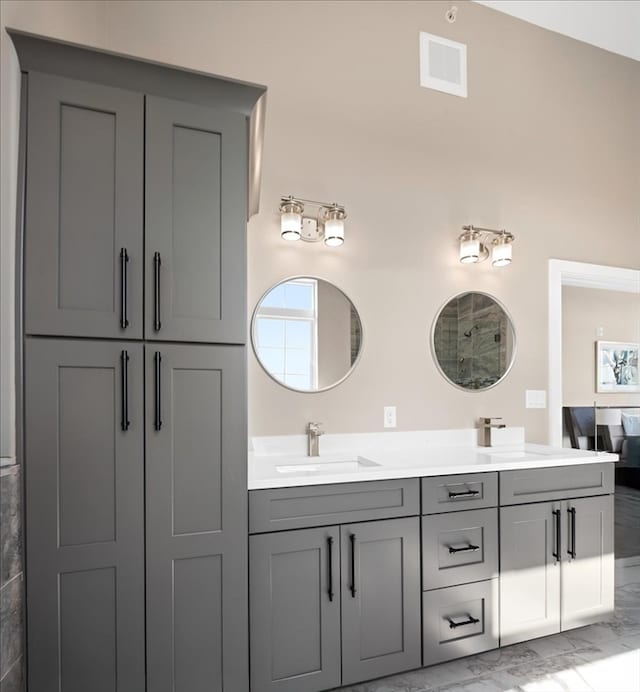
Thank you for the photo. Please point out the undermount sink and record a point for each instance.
(328, 466)
(517, 454)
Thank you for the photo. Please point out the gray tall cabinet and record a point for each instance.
(133, 361)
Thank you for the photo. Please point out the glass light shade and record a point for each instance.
(290, 225)
(334, 228)
(469, 249)
(501, 253)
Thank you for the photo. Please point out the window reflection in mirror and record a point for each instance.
(306, 334)
(473, 341)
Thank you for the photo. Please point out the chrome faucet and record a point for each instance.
(485, 430)
(313, 437)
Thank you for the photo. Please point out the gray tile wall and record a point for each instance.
(11, 581)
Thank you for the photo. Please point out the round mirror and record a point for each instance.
(306, 334)
(473, 341)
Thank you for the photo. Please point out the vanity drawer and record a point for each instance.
(278, 509)
(556, 483)
(462, 491)
(459, 621)
(459, 547)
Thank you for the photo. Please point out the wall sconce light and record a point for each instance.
(327, 225)
(475, 242)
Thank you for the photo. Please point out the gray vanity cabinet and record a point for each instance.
(380, 576)
(195, 192)
(529, 572)
(84, 202)
(557, 566)
(295, 610)
(84, 515)
(196, 518)
(588, 566)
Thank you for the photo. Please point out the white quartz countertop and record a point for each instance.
(364, 460)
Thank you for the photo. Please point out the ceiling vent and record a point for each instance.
(443, 64)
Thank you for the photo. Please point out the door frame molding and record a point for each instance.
(583, 275)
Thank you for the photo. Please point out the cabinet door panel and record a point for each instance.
(588, 578)
(295, 624)
(84, 204)
(196, 506)
(380, 575)
(529, 574)
(84, 523)
(196, 160)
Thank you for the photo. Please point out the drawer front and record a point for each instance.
(459, 547)
(278, 509)
(459, 621)
(556, 483)
(463, 491)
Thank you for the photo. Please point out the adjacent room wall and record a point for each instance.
(584, 311)
(546, 145)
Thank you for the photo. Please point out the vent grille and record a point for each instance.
(443, 64)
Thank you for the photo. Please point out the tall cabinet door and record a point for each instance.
(196, 510)
(588, 564)
(380, 598)
(295, 610)
(84, 213)
(529, 572)
(84, 515)
(196, 202)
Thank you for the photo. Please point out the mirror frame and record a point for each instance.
(433, 346)
(253, 336)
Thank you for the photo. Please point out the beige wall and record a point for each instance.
(334, 335)
(547, 145)
(584, 311)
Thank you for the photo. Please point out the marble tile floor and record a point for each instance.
(598, 658)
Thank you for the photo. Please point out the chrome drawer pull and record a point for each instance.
(464, 493)
(470, 621)
(467, 549)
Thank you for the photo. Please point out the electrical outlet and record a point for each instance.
(389, 416)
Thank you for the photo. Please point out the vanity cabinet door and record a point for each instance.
(529, 572)
(196, 519)
(587, 561)
(295, 610)
(83, 209)
(196, 205)
(380, 576)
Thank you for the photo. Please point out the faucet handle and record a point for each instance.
(487, 421)
(315, 428)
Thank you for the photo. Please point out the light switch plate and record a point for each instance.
(536, 398)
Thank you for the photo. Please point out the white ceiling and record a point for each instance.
(610, 24)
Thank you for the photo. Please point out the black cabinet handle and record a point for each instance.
(157, 262)
(469, 621)
(330, 560)
(464, 493)
(572, 520)
(124, 260)
(467, 549)
(352, 588)
(124, 374)
(556, 521)
(157, 418)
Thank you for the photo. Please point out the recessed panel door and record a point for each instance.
(589, 564)
(530, 550)
(196, 510)
(196, 203)
(380, 574)
(295, 610)
(84, 515)
(83, 219)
